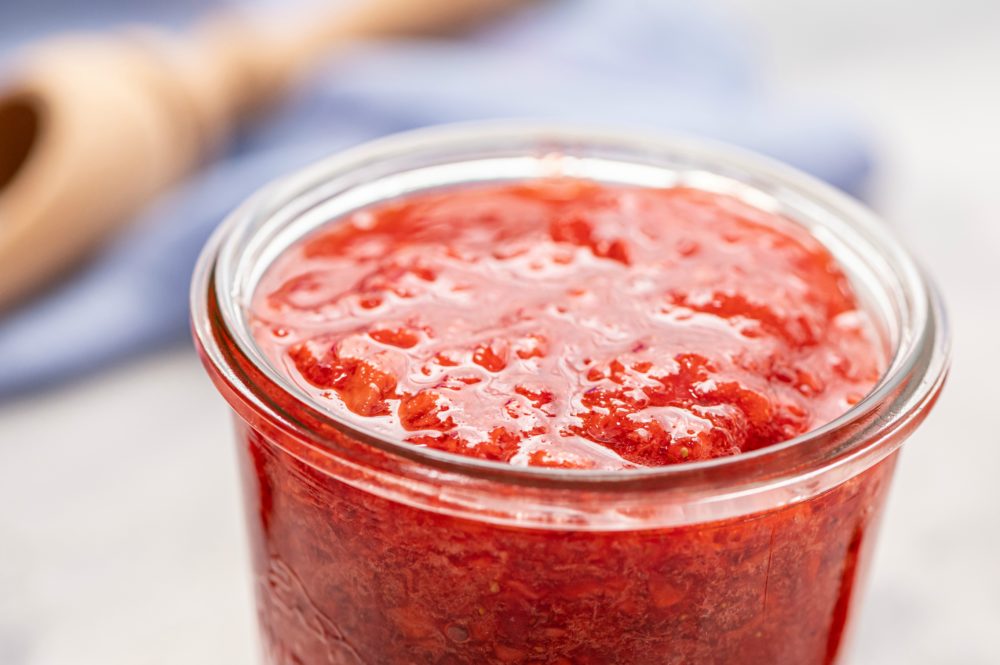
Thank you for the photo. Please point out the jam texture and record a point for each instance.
(569, 324)
(346, 577)
(564, 324)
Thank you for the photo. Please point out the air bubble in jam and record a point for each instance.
(641, 327)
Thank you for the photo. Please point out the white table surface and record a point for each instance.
(121, 533)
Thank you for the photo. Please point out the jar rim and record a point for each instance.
(871, 428)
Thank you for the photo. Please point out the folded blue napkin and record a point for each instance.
(656, 64)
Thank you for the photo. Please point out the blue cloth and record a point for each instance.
(659, 64)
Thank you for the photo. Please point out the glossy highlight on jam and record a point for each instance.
(570, 324)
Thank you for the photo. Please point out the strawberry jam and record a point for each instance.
(563, 323)
(575, 326)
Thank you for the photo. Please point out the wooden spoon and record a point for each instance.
(92, 127)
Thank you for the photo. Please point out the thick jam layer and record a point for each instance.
(557, 323)
(565, 323)
(347, 577)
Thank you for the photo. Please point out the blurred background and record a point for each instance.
(120, 520)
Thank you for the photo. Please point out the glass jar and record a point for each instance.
(370, 550)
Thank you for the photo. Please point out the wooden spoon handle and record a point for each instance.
(236, 67)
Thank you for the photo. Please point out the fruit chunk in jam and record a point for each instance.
(566, 323)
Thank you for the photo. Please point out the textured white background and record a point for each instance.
(120, 527)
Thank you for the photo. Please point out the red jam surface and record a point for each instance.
(552, 323)
(565, 323)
